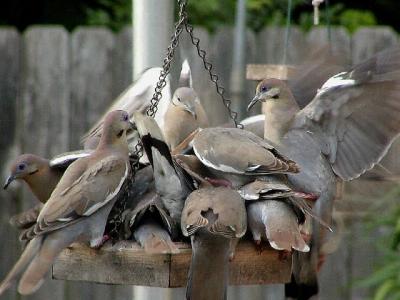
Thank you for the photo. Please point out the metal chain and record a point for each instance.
(209, 67)
(117, 221)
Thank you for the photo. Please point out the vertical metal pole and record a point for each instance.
(152, 29)
(238, 67)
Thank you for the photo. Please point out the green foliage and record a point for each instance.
(111, 13)
(352, 19)
(386, 279)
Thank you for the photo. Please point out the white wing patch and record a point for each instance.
(219, 167)
(336, 81)
(109, 196)
(62, 159)
(252, 120)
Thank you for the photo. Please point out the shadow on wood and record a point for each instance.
(127, 263)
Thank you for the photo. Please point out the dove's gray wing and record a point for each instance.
(356, 115)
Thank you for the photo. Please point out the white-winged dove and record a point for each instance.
(184, 115)
(77, 209)
(343, 132)
(151, 211)
(214, 218)
(41, 176)
(170, 183)
(239, 156)
(37, 173)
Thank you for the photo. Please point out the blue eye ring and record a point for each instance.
(21, 167)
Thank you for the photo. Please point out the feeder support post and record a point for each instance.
(152, 28)
(237, 85)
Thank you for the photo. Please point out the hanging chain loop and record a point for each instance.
(117, 220)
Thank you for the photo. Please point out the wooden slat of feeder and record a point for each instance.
(126, 263)
(260, 72)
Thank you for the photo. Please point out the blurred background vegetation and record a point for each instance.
(208, 13)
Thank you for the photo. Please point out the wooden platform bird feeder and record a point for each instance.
(126, 263)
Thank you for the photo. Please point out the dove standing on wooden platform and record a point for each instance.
(237, 156)
(185, 113)
(41, 175)
(171, 184)
(78, 208)
(346, 129)
(274, 215)
(214, 218)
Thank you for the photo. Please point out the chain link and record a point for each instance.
(116, 221)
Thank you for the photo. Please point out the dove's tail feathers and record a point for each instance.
(300, 291)
(32, 278)
(29, 253)
(208, 268)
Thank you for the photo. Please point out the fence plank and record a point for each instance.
(271, 42)
(122, 61)
(9, 85)
(92, 90)
(91, 78)
(45, 100)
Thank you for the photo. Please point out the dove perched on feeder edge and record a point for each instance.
(236, 157)
(148, 220)
(274, 215)
(41, 175)
(214, 218)
(185, 113)
(152, 226)
(78, 207)
(344, 131)
(171, 184)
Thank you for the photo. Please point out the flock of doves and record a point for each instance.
(275, 179)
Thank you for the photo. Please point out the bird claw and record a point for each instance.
(306, 196)
(284, 255)
(104, 239)
(321, 261)
(219, 182)
(258, 246)
(306, 237)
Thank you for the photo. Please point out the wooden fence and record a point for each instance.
(54, 84)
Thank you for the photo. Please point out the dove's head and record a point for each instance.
(270, 89)
(24, 167)
(116, 125)
(186, 98)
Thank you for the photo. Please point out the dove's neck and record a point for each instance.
(279, 115)
(43, 182)
(111, 141)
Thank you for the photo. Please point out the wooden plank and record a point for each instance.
(260, 72)
(10, 46)
(126, 263)
(271, 42)
(248, 267)
(340, 41)
(91, 78)
(123, 263)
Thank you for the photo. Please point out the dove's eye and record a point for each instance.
(21, 167)
(264, 88)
